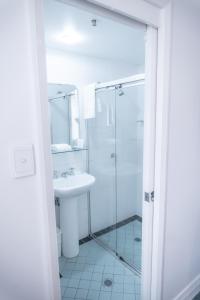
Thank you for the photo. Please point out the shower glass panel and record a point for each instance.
(115, 138)
(129, 166)
(101, 139)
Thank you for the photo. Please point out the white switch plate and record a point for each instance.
(23, 161)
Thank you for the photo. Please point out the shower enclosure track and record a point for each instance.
(116, 255)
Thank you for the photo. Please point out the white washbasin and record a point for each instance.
(73, 185)
(68, 189)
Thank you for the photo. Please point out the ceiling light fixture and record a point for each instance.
(70, 36)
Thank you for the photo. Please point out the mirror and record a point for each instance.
(64, 109)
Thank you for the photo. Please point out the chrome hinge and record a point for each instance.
(149, 196)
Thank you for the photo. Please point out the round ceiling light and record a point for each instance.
(70, 36)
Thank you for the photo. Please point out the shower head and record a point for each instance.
(120, 92)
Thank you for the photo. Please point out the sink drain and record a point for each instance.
(107, 282)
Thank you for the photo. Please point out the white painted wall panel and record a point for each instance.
(81, 70)
(25, 270)
(182, 242)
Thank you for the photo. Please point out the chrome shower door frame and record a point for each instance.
(126, 82)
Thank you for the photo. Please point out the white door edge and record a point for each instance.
(149, 158)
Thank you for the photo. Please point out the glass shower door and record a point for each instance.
(101, 139)
(115, 138)
(129, 167)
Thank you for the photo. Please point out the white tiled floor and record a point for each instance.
(84, 275)
(122, 240)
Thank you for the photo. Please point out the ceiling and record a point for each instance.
(159, 3)
(110, 39)
(162, 3)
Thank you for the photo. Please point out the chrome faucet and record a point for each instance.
(71, 171)
(68, 172)
(64, 174)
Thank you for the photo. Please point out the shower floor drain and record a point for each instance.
(107, 282)
(137, 239)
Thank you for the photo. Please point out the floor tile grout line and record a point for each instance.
(103, 271)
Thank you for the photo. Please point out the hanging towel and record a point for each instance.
(89, 101)
(99, 105)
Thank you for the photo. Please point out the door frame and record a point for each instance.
(150, 104)
(160, 19)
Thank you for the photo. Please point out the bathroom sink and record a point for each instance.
(73, 185)
(69, 189)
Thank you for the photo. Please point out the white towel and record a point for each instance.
(99, 105)
(55, 148)
(89, 101)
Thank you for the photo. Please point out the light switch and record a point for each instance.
(23, 161)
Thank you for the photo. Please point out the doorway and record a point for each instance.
(123, 173)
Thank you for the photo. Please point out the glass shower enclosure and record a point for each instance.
(115, 138)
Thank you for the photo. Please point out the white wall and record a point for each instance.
(182, 242)
(25, 271)
(81, 70)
